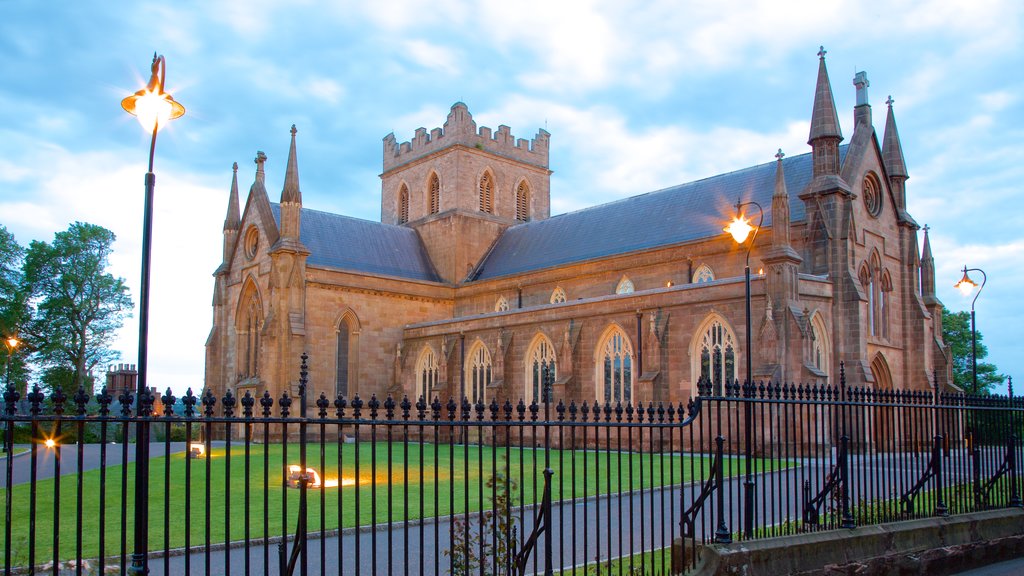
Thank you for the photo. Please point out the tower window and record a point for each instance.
(403, 204)
(435, 194)
(523, 202)
(487, 193)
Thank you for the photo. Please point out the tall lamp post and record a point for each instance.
(966, 286)
(154, 108)
(740, 228)
(11, 342)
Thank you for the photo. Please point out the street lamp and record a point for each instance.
(154, 108)
(740, 229)
(966, 286)
(12, 343)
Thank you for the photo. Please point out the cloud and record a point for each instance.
(432, 56)
(100, 188)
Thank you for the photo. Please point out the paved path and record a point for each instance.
(92, 457)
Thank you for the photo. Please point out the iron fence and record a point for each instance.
(310, 484)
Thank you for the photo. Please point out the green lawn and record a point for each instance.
(459, 470)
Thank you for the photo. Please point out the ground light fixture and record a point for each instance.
(966, 286)
(154, 108)
(740, 229)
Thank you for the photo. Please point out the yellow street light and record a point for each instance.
(966, 286)
(12, 342)
(739, 228)
(153, 107)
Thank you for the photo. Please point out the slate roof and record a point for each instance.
(357, 245)
(675, 215)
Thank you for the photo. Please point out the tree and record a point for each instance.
(956, 331)
(78, 305)
(14, 311)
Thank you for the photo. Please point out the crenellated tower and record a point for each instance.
(460, 186)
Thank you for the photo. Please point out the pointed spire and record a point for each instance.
(291, 191)
(927, 271)
(259, 184)
(892, 151)
(780, 206)
(824, 120)
(233, 220)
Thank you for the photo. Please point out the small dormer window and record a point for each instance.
(625, 286)
(703, 274)
(558, 296)
(501, 305)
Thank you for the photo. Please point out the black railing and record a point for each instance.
(309, 484)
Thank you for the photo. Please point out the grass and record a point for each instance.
(648, 563)
(452, 486)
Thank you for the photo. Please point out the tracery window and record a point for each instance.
(523, 201)
(878, 286)
(435, 194)
(249, 324)
(487, 193)
(625, 286)
(716, 354)
(558, 295)
(820, 345)
(403, 204)
(872, 195)
(501, 305)
(540, 368)
(346, 354)
(703, 274)
(478, 372)
(426, 373)
(615, 368)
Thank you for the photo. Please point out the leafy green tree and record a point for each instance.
(14, 310)
(78, 305)
(956, 331)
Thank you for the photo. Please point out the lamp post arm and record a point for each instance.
(984, 278)
(760, 221)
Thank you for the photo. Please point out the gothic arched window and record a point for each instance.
(558, 295)
(403, 204)
(540, 368)
(248, 326)
(615, 367)
(715, 353)
(346, 354)
(703, 274)
(625, 286)
(478, 373)
(523, 201)
(821, 346)
(501, 305)
(434, 191)
(426, 373)
(487, 193)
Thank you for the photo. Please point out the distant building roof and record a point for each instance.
(675, 215)
(357, 245)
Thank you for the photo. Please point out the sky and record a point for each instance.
(637, 97)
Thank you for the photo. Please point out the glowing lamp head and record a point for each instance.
(966, 286)
(739, 228)
(153, 107)
(50, 443)
(12, 342)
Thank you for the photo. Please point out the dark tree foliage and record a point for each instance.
(77, 305)
(14, 311)
(956, 331)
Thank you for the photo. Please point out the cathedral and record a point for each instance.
(468, 287)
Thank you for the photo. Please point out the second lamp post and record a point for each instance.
(740, 229)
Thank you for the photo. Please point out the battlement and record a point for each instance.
(460, 128)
